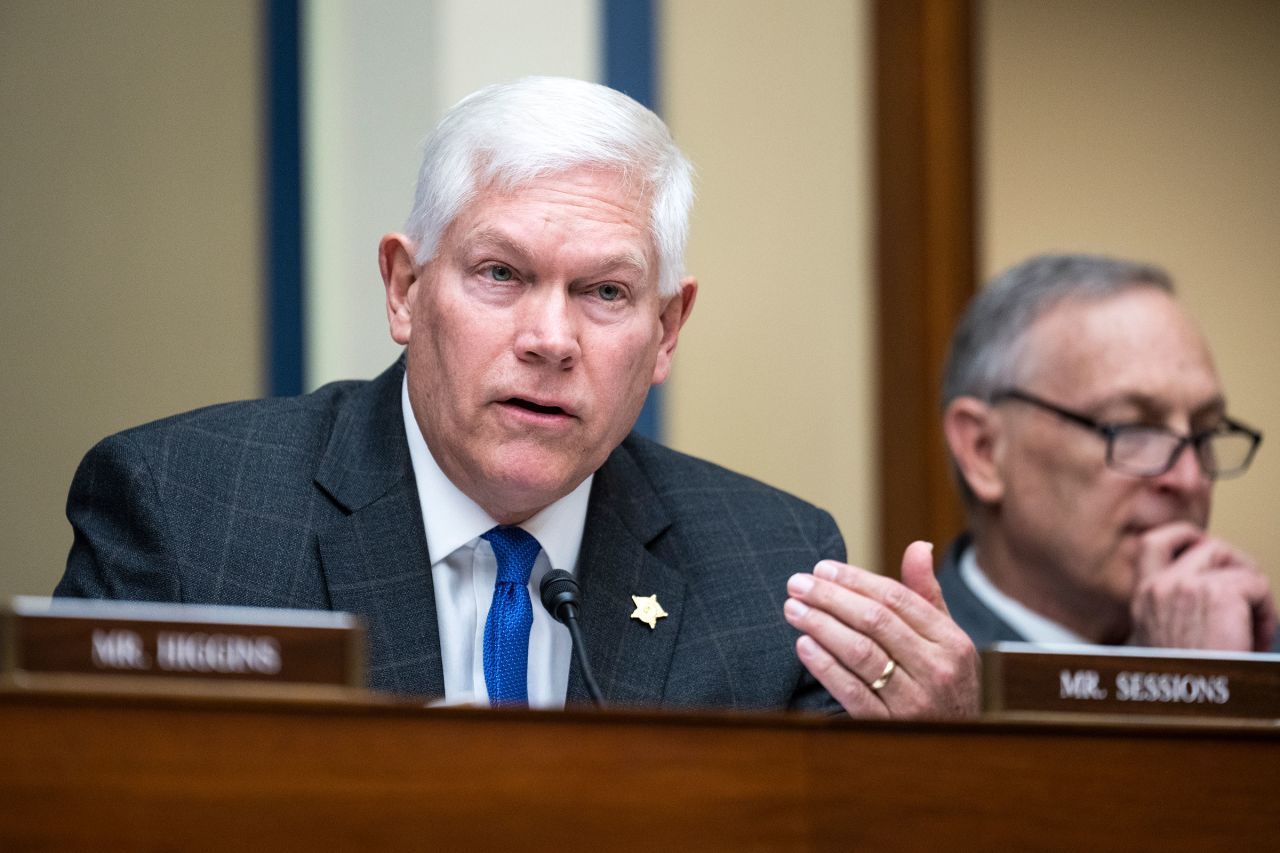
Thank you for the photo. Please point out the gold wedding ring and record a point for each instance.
(889, 668)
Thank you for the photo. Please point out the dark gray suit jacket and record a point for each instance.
(310, 502)
(980, 622)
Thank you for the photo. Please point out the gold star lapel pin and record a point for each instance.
(648, 610)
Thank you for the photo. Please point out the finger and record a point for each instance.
(918, 575)
(1238, 611)
(1256, 587)
(1252, 584)
(933, 678)
(919, 615)
(877, 618)
(1160, 546)
(951, 690)
(1198, 557)
(851, 692)
(1211, 554)
(855, 651)
(1199, 607)
(862, 632)
(1227, 556)
(1195, 579)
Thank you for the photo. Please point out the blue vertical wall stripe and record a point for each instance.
(284, 257)
(630, 66)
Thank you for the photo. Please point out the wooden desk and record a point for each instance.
(147, 772)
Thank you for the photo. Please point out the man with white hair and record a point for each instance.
(538, 291)
(1088, 426)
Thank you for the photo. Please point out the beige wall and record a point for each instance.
(129, 160)
(129, 238)
(379, 74)
(773, 376)
(1152, 130)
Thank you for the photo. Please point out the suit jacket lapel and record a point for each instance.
(375, 563)
(374, 557)
(983, 625)
(630, 660)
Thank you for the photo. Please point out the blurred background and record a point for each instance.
(191, 196)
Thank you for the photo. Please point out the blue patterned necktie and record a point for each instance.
(506, 631)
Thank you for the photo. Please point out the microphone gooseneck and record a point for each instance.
(559, 594)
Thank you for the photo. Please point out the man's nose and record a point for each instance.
(1186, 474)
(547, 328)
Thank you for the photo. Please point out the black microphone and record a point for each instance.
(559, 593)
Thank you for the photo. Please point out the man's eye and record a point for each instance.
(501, 273)
(609, 292)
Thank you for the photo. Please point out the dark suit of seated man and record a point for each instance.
(1088, 425)
(538, 293)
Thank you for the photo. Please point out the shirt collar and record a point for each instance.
(1031, 625)
(453, 520)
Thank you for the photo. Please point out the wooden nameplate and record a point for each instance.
(51, 640)
(1020, 677)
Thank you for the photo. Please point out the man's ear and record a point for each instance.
(674, 312)
(400, 277)
(972, 429)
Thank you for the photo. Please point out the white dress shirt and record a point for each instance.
(464, 572)
(1024, 620)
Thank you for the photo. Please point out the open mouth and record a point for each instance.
(531, 406)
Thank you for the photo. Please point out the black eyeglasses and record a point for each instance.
(1149, 451)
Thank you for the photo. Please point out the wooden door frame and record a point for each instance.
(926, 254)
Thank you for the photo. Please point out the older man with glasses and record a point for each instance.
(1087, 425)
